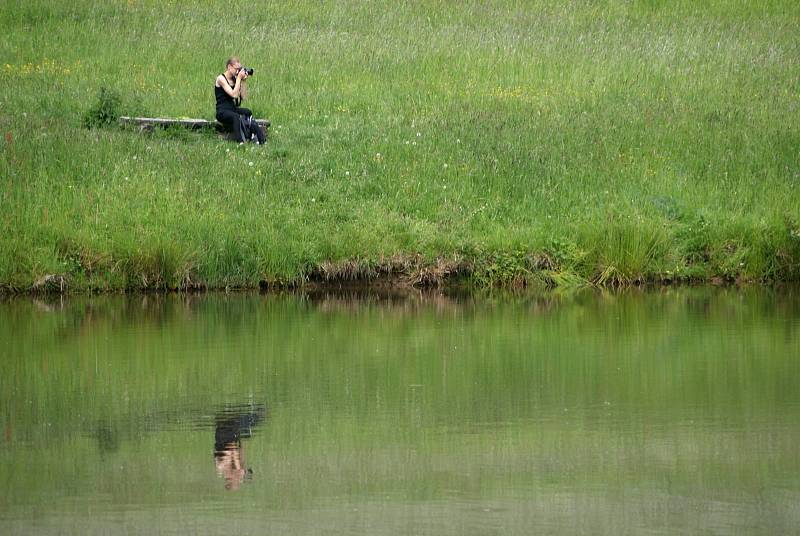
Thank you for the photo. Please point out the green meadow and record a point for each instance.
(502, 142)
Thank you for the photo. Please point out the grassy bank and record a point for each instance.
(509, 142)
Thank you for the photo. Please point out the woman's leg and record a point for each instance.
(232, 122)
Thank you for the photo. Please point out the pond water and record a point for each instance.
(642, 412)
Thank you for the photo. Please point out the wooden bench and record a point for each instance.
(147, 123)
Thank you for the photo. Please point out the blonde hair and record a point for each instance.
(231, 61)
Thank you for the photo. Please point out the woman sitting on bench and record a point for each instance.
(230, 89)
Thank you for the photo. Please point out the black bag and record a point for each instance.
(246, 127)
(251, 130)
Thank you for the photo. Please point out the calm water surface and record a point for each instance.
(663, 412)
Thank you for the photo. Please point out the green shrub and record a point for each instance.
(105, 111)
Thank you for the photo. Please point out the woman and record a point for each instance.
(230, 89)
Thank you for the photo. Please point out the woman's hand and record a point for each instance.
(242, 74)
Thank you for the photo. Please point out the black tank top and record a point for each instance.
(225, 101)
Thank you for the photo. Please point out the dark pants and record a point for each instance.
(232, 119)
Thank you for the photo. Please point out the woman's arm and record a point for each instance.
(233, 92)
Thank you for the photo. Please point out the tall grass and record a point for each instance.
(605, 142)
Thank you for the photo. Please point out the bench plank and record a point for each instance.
(188, 123)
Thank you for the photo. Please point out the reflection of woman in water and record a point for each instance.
(231, 426)
(230, 465)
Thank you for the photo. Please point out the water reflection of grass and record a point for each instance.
(580, 351)
(353, 466)
(555, 142)
(678, 396)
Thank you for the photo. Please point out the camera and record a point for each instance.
(248, 70)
